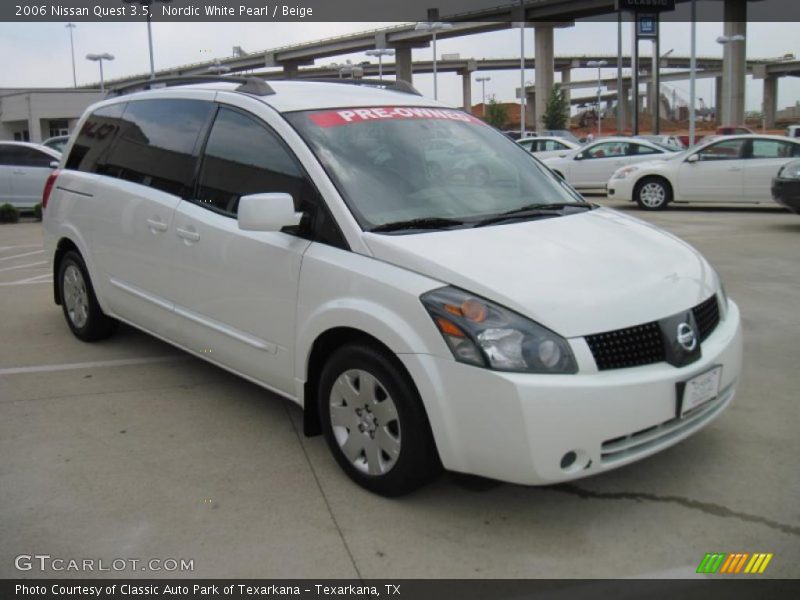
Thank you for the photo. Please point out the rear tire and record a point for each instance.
(374, 421)
(653, 193)
(85, 318)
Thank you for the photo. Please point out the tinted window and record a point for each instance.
(607, 150)
(640, 149)
(243, 157)
(21, 156)
(726, 150)
(90, 150)
(774, 149)
(158, 144)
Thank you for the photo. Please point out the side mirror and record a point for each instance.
(267, 212)
(579, 156)
(53, 164)
(693, 158)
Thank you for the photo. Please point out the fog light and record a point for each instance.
(568, 459)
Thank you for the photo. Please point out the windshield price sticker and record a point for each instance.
(388, 113)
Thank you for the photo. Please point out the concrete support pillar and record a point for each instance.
(290, 70)
(770, 101)
(623, 98)
(402, 57)
(566, 77)
(466, 89)
(545, 69)
(530, 105)
(651, 97)
(734, 67)
(35, 130)
(718, 100)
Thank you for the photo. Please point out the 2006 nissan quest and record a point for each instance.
(423, 287)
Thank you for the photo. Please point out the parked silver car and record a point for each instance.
(24, 168)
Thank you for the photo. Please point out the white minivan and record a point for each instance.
(304, 233)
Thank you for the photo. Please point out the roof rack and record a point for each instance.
(247, 85)
(396, 86)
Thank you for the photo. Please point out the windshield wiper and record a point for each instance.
(423, 223)
(533, 211)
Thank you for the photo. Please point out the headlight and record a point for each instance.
(790, 170)
(482, 333)
(624, 172)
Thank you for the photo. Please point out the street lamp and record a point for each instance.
(100, 58)
(380, 53)
(724, 40)
(483, 81)
(146, 7)
(72, 26)
(433, 28)
(600, 64)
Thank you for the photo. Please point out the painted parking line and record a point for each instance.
(100, 364)
(21, 255)
(4, 248)
(43, 278)
(36, 264)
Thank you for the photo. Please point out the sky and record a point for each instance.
(39, 53)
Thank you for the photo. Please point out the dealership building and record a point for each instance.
(35, 114)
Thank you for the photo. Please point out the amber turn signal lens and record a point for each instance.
(474, 311)
(447, 328)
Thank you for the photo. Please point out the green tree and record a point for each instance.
(556, 112)
(496, 113)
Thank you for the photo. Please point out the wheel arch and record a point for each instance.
(63, 246)
(651, 176)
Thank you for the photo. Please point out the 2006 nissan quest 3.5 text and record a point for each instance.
(426, 290)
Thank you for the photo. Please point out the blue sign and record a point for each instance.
(647, 26)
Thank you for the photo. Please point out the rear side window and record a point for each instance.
(158, 144)
(242, 156)
(774, 149)
(22, 156)
(93, 141)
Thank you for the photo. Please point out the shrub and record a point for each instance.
(37, 212)
(8, 214)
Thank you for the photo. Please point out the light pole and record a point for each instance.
(600, 64)
(72, 26)
(522, 69)
(380, 53)
(100, 58)
(146, 4)
(433, 28)
(725, 40)
(693, 78)
(483, 81)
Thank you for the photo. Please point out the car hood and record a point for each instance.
(579, 274)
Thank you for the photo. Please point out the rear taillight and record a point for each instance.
(48, 187)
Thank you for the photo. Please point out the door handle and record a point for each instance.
(15, 172)
(156, 225)
(735, 169)
(186, 234)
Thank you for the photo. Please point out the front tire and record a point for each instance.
(653, 193)
(374, 421)
(85, 318)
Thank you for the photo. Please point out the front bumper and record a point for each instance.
(621, 189)
(519, 427)
(787, 193)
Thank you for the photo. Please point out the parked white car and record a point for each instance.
(547, 147)
(589, 167)
(733, 168)
(24, 168)
(293, 234)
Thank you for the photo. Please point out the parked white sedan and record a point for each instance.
(24, 168)
(736, 168)
(548, 146)
(589, 168)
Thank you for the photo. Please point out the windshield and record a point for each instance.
(410, 164)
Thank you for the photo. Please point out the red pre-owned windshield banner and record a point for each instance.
(350, 116)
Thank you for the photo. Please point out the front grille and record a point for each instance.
(631, 347)
(645, 344)
(706, 315)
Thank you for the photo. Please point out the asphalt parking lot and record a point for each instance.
(131, 449)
